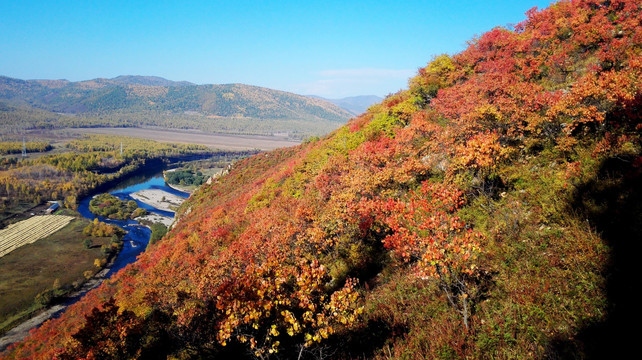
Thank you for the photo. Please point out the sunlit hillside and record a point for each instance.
(491, 210)
(138, 101)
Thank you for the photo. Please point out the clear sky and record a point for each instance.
(327, 48)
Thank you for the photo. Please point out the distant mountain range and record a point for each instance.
(154, 101)
(148, 81)
(356, 105)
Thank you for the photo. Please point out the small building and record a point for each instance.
(52, 208)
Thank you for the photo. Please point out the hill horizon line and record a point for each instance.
(154, 80)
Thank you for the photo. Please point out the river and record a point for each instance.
(137, 236)
(134, 243)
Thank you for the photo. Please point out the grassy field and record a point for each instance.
(33, 268)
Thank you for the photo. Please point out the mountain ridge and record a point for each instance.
(131, 100)
(356, 105)
(148, 80)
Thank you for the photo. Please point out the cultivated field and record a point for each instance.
(30, 230)
(214, 141)
(59, 259)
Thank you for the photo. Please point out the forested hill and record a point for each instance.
(154, 101)
(493, 210)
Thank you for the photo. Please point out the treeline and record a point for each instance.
(185, 177)
(223, 160)
(100, 229)
(134, 149)
(15, 147)
(109, 206)
(131, 146)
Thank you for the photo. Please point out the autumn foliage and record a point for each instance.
(456, 190)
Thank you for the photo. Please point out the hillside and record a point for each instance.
(135, 101)
(356, 105)
(492, 210)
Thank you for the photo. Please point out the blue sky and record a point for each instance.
(327, 48)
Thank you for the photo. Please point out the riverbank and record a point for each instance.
(190, 190)
(158, 199)
(194, 173)
(185, 189)
(155, 218)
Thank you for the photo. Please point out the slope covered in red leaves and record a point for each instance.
(489, 211)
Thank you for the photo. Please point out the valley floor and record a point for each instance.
(214, 141)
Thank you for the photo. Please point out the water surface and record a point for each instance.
(137, 236)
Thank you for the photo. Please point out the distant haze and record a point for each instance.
(355, 105)
(148, 81)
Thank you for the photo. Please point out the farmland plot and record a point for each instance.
(30, 230)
